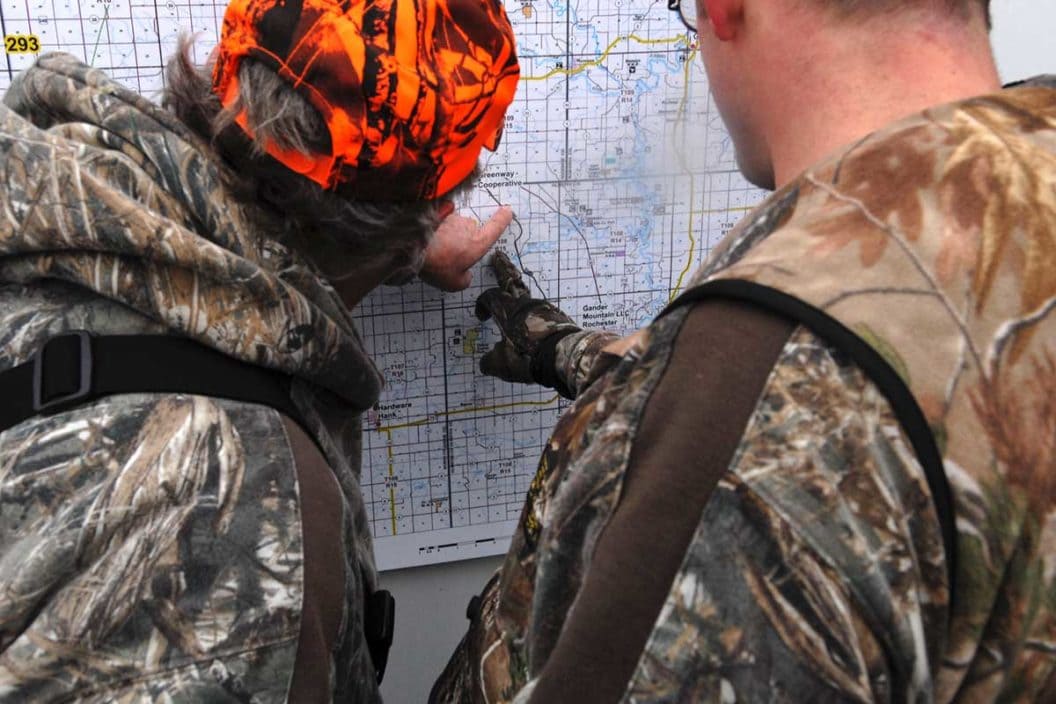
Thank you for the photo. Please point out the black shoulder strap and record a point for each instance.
(76, 368)
(886, 379)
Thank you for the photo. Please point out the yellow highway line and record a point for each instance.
(692, 180)
(503, 406)
(605, 54)
(422, 421)
(392, 488)
(692, 239)
(463, 411)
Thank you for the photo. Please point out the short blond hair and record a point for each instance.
(856, 7)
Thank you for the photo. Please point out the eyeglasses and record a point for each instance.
(687, 12)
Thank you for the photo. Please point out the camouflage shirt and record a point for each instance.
(151, 546)
(818, 571)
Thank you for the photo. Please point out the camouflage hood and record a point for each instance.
(106, 191)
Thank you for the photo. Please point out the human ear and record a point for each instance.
(724, 17)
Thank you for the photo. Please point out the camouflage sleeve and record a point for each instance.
(577, 355)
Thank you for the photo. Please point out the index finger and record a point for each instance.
(474, 247)
(488, 234)
(492, 230)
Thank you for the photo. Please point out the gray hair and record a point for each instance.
(324, 226)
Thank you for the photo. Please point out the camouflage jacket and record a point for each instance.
(151, 545)
(818, 571)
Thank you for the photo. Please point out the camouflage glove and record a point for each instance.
(531, 329)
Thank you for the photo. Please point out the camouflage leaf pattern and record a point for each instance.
(151, 544)
(823, 507)
(147, 548)
(578, 358)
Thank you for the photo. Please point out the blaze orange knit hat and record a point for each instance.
(411, 90)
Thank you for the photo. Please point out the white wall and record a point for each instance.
(431, 601)
(430, 621)
(1024, 37)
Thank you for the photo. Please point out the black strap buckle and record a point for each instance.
(54, 386)
(379, 624)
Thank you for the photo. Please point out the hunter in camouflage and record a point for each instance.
(817, 570)
(967, 252)
(153, 544)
